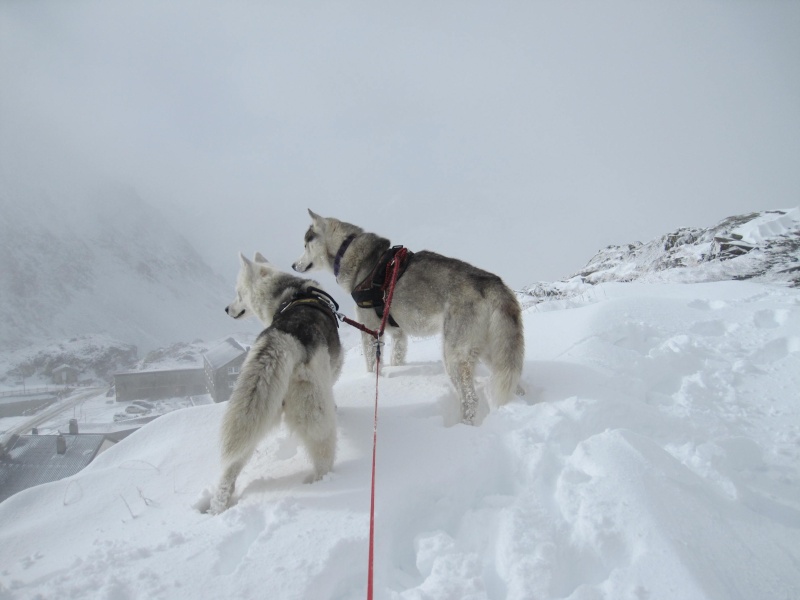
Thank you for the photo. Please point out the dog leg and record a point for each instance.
(317, 430)
(310, 413)
(322, 451)
(461, 353)
(460, 368)
(368, 317)
(399, 347)
(227, 484)
(469, 397)
(368, 345)
(253, 410)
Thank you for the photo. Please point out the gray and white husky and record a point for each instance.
(478, 316)
(289, 371)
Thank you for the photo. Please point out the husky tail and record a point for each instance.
(506, 347)
(254, 407)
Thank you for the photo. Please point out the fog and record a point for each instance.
(520, 136)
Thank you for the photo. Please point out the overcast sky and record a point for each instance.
(520, 136)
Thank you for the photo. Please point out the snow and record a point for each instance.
(769, 225)
(655, 455)
(766, 250)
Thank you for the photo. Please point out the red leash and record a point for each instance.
(358, 325)
(394, 265)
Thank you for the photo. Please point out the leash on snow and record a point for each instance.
(394, 266)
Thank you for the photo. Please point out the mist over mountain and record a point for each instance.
(103, 261)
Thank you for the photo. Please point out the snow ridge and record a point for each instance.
(763, 246)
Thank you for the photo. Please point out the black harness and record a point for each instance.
(371, 292)
(311, 297)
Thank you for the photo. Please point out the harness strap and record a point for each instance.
(372, 291)
(311, 297)
(340, 253)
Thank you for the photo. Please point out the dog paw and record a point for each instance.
(220, 501)
(216, 508)
(203, 502)
(314, 477)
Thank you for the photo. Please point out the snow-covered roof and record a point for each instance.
(33, 460)
(223, 353)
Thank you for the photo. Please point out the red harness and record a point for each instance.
(373, 290)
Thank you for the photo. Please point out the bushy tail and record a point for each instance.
(506, 346)
(255, 405)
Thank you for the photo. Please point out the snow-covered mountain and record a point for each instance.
(763, 246)
(95, 357)
(760, 246)
(104, 262)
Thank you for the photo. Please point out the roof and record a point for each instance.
(158, 372)
(64, 368)
(224, 353)
(32, 460)
(118, 436)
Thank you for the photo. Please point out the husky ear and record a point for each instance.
(246, 262)
(254, 269)
(259, 258)
(319, 222)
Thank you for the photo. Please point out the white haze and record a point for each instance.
(555, 127)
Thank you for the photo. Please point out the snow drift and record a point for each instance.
(656, 455)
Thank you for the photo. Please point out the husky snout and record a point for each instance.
(300, 267)
(230, 313)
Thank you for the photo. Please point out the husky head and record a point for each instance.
(315, 254)
(253, 290)
(322, 242)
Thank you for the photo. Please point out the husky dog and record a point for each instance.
(290, 371)
(478, 315)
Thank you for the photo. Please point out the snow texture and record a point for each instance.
(761, 246)
(656, 455)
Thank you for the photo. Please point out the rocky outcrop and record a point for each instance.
(762, 246)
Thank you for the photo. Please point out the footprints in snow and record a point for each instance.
(770, 319)
(757, 339)
(248, 524)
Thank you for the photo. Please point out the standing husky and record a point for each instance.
(478, 315)
(290, 370)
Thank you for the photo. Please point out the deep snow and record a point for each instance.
(654, 456)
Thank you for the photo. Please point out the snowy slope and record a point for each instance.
(656, 455)
(77, 262)
(764, 246)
